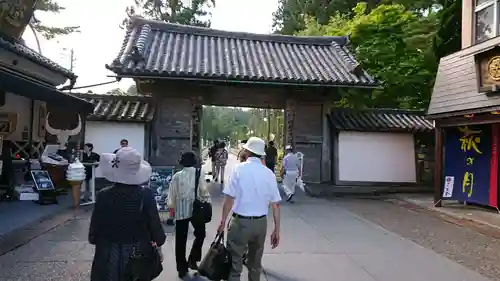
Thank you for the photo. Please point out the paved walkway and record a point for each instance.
(320, 241)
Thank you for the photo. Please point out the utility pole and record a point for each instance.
(71, 59)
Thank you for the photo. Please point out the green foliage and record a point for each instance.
(448, 37)
(50, 32)
(392, 43)
(291, 15)
(192, 12)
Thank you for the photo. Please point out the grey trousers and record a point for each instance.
(246, 234)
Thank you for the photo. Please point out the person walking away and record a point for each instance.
(271, 155)
(211, 154)
(241, 157)
(221, 157)
(124, 219)
(251, 188)
(181, 195)
(290, 171)
(123, 143)
(89, 156)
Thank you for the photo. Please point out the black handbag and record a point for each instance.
(145, 262)
(216, 264)
(202, 211)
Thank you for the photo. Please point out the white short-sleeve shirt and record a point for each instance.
(253, 187)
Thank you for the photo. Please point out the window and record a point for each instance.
(486, 20)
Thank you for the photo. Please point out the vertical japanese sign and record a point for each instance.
(471, 161)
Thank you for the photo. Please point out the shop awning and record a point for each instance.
(30, 88)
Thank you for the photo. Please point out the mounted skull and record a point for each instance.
(63, 135)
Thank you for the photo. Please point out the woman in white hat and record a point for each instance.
(125, 218)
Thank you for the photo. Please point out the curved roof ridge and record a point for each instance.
(204, 31)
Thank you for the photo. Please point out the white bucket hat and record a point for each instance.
(255, 145)
(126, 166)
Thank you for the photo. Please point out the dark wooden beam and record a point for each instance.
(438, 167)
(464, 121)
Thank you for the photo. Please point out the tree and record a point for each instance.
(192, 13)
(392, 44)
(50, 32)
(448, 37)
(132, 90)
(290, 16)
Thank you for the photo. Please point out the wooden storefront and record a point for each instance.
(465, 107)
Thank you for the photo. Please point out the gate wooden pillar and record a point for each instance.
(196, 121)
(289, 122)
(308, 130)
(171, 129)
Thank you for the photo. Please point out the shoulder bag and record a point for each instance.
(202, 211)
(216, 264)
(145, 261)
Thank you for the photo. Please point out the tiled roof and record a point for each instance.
(122, 108)
(34, 56)
(159, 49)
(379, 120)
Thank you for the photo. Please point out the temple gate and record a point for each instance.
(185, 67)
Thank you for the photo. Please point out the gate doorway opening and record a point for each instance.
(234, 124)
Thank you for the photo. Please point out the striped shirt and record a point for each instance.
(181, 192)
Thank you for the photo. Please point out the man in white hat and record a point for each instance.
(252, 187)
(290, 171)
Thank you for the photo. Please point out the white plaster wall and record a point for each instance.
(376, 157)
(106, 136)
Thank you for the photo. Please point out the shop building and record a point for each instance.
(29, 95)
(465, 107)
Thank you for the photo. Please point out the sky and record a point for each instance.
(100, 38)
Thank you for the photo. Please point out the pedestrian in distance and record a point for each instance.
(271, 155)
(251, 188)
(290, 171)
(221, 156)
(125, 226)
(211, 153)
(89, 156)
(123, 143)
(181, 197)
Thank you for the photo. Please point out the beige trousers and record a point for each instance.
(246, 234)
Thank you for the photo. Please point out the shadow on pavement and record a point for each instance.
(274, 276)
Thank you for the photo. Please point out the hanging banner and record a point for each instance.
(470, 153)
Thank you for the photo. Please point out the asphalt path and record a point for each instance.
(320, 240)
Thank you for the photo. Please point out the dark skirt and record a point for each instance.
(110, 262)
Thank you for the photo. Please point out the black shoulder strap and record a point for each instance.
(196, 182)
(141, 206)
